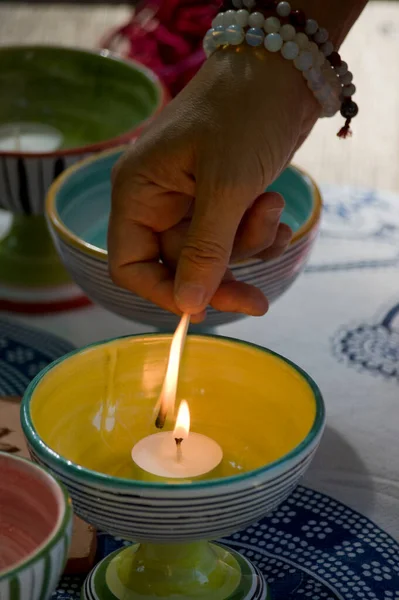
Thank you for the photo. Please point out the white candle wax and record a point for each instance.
(29, 138)
(158, 454)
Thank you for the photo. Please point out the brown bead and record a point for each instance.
(297, 18)
(334, 59)
(349, 109)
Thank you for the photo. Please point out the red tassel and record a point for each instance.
(345, 131)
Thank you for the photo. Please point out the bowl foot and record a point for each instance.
(32, 278)
(186, 571)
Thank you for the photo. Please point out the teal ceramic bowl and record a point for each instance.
(35, 530)
(78, 208)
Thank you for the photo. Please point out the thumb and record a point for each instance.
(206, 252)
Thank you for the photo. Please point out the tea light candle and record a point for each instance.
(29, 138)
(178, 454)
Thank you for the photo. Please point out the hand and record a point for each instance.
(190, 191)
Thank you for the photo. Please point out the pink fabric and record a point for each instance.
(166, 36)
(28, 510)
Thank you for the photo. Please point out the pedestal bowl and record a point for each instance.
(78, 208)
(82, 416)
(57, 106)
(35, 530)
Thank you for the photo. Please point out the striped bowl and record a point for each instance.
(89, 100)
(35, 530)
(265, 412)
(78, 206)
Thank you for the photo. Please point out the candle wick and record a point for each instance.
(161, 418)
(178, 448)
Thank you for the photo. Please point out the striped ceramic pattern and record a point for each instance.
(24, 181)
(91, 274)
(170, 514)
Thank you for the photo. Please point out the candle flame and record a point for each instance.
(182, 428)
(167, 399)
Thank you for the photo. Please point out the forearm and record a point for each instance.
(337, 16)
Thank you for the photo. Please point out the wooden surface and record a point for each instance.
(370, 158)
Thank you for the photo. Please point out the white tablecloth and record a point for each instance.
(340, 322)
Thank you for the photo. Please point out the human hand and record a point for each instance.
(190, 191)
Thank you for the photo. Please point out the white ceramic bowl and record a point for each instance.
(78, 206)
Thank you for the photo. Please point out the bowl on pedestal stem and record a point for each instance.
(265, 413)
(78, 207)
(57, 106)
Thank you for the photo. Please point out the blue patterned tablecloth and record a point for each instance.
(311, 547)
(340, 322)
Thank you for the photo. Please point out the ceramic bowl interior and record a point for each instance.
(33, 508)
(92, 406)
(87, 97)
(82, 201)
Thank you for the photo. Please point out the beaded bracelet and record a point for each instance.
(298, 39)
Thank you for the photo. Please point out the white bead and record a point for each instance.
(290, 50)
(255, 36)
(242, 17)
(314, 49)
(348, 90)
(272, 25)
(249, 3)
(234, 35)
(320, 60)
(256, 19)
(321, 36)
(346, 79)
(230, 18)
(302, 40)
(287, 32)
(315, 86)
(218, 20)
(237, 4)
(311, 27)
(304, 61)
(324, 94)
(209, 44)
(283, 9)
(219, 35)
(327, 48)
(273, 42)
(342, 69)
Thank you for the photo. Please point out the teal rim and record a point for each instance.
(55, 535)
(108, 480)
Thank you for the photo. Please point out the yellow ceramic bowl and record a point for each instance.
(83, 414)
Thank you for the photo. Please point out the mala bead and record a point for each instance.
(219, 35)
(283, 9)
(272, 25)
(304, 61)
(349, 109)
(327, 48)
(237, 4)
(242, 17)
(230, 18)
(342, 69)
(298, 18)
(234, 35)
(288, 33)
(255, 37)
(290, 50)
(346, 79)
(302, 40)
(321, 36)
(256, 19)
(349, 90)
(218, 20)
(311, 27)
(335, 59)
(249, 3)
(273, 42)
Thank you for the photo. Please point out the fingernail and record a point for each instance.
(190, 296)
